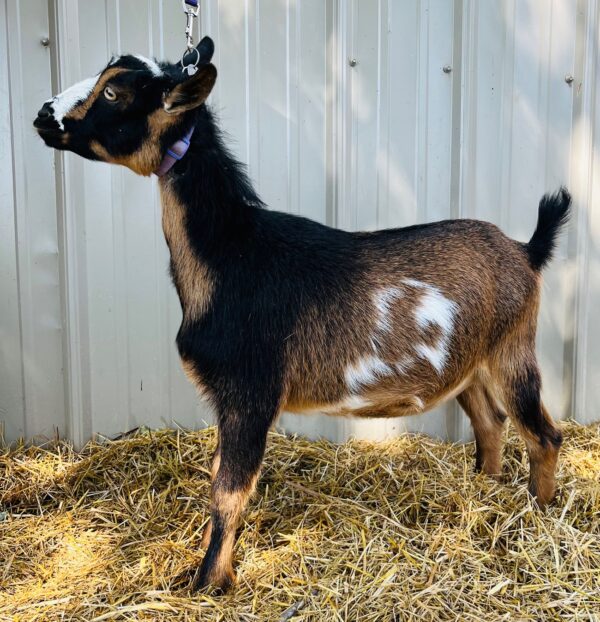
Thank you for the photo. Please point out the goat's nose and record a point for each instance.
(45, 111)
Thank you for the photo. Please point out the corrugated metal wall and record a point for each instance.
(87, 313)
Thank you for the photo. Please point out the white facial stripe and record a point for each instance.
(366, 370)
(64, 102)
(151, 64)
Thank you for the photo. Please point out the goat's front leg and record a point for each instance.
(213, 475)
(242, 440)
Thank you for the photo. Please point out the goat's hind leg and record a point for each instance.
(487, 421)
(521, 387)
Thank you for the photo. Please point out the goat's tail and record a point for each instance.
(553, 213)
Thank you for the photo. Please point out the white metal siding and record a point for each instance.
(31, 364)
(87, 313)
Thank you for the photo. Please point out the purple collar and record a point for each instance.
(174, 153)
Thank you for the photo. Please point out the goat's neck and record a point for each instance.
(208, 212)
(214, 190)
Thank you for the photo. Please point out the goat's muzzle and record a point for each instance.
(45, 118)
(47, 127)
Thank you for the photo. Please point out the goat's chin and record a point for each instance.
(56, 139)
(60, 141)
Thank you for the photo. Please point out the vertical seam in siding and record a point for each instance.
(16, 229)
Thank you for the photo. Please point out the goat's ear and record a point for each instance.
(192, 92)
(206, 49)
(202, 55)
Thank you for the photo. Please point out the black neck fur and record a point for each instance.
(214, 187)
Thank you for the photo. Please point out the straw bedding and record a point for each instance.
(401, 530)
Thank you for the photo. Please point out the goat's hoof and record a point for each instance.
(220, 583)
(542, 501)
(498, 477)
(493, 472)
(543, 493)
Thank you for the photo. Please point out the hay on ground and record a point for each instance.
(401, 530)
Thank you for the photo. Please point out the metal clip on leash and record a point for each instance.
(191, 10)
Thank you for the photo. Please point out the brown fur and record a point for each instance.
(488, 425)
(213, 474)
(228, 504)
(315, 374)
(193, 279)
(542, 465)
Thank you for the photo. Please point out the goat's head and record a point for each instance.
(130, 113)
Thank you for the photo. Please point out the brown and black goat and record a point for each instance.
(282, 313)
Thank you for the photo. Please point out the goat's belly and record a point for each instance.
(357, 406)
(381, 402)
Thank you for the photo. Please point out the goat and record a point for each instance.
(283, 313)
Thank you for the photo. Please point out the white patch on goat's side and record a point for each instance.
(365, 371)
(417, 284)
(383, 300)
(151, 64)
(64, 102)
(404, 365)
(434, 309)
(436, 356)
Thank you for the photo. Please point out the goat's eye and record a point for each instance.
(110, 94)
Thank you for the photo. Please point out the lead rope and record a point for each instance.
(191, 10)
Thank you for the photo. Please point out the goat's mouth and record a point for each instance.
(53, 138)
(46, 123)
(46, 131)
(51, 134)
